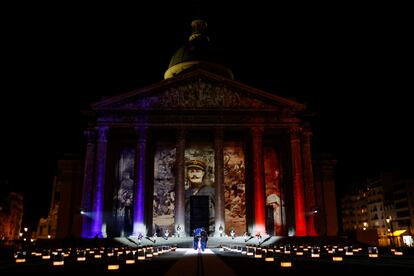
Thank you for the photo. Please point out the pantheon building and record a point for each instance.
(199, 149)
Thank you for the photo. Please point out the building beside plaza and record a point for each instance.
(64, 218)
(384, 204)
(202, 149)
(11, 214)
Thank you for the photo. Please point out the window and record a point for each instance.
(403, 214)
(400, 196)
(400, 205)
(404, 222)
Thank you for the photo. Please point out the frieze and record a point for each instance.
(195, 117)
(197, 94)
(204, 120)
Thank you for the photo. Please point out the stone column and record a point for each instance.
(88, 182)
(140, 182)
(179, 183)
(326, 222)
(298, 193)
(219, 181)
(309, 190)
(258, 175)
(98, 199)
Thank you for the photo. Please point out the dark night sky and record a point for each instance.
(352, 65)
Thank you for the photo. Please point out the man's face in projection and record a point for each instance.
(195, 175)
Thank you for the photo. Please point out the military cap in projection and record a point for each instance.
(273, 198)
(198, 164)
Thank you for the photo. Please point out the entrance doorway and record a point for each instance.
(270, 221)
(199, 212)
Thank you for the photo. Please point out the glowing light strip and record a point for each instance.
(285, 264)
(139, 207)
(100, 182)
(113, 267)
(298, 193)
(259, 194)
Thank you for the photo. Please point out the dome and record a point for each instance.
(196, 53)
(192, 51)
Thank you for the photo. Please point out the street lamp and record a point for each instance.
(389, 221)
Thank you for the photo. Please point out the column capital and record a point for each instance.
(295, 132)
(141, 132)
(257, 131)
(307, 133)
(218, 132)
(181, 133)
(102, 133)
(90, 136)
(139, 129)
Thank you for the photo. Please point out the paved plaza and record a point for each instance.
(232, 258)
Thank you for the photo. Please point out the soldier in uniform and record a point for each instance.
(197, 186)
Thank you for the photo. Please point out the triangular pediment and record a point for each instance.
(196, 90)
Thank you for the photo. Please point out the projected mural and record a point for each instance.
(274, 203)
(164, 184)
(199, 171)
(125, 194)
(234, 188)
